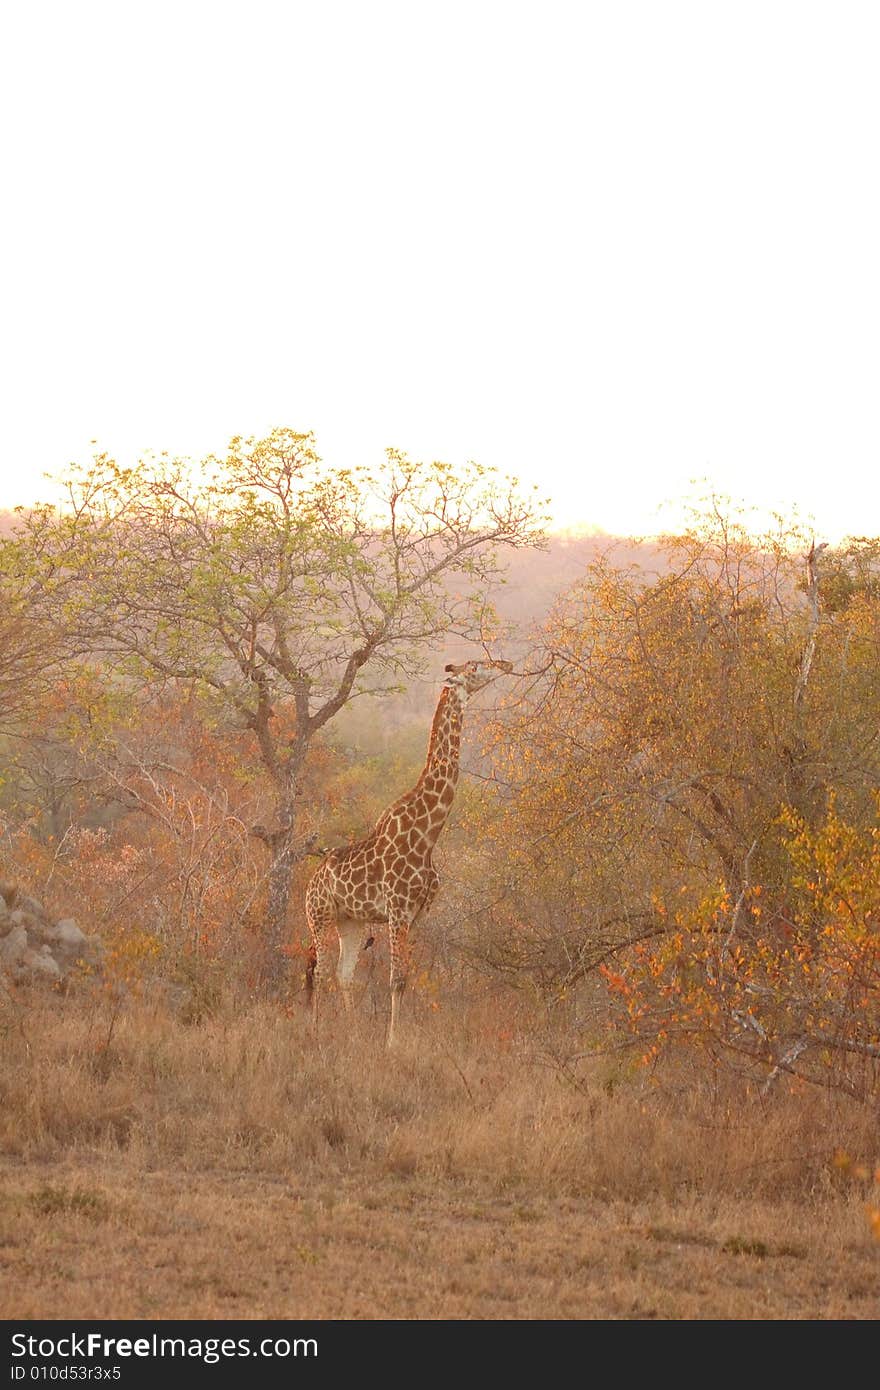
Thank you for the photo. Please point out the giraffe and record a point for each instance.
(388, 878)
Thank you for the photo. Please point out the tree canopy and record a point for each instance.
(278, 586)
(689, 740)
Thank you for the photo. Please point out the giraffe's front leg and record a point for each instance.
(398, 934)
(351, 935)
(432, 885)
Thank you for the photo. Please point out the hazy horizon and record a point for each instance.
(671, 514)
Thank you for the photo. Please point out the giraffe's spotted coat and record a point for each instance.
(388, 877)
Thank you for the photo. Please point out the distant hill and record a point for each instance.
(536, 577)
(533, 580)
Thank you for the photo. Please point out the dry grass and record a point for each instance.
(236, 1168)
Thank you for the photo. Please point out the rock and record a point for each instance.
(36, 950)
(36, 927)
(69, 944)
(40, 964)
(69, 933)
(13, 945)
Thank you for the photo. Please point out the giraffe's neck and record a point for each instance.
(435, 789)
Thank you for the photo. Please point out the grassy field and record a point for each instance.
(237, 1168)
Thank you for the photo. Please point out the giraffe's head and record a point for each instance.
(471, 676)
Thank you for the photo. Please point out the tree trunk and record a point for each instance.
(276, 962)
(287, 849)
(805, 787)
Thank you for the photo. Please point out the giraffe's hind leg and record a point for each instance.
(322, 920)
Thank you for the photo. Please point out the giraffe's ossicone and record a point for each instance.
(388, 877)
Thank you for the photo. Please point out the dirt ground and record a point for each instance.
(79, 1242)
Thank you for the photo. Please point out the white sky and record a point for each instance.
(606, 246)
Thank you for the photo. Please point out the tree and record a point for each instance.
(279, 587)
(850, 572)
(773, 985)
(25, 651)
(676, 719)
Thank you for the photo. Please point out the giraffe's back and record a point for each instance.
(356, 881)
